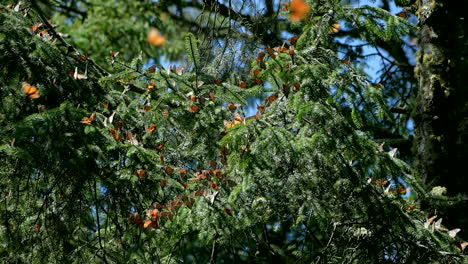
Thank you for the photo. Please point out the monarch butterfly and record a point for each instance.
(462, 246)
(33, 28)
(37, 227)
(237, 120)
(228, 211)
(242, 84)
(88, 120)
(140, 173)
(293, 40)
(168, 170)
(160, 146)
(78, 76)
(193, 109)
(153, 214)
(299, 10)
(453, 232)
(151, 128)
(30, 90)
(213, 185)
(334, 28)
(150, 86)
(402, 14)
(155, 38)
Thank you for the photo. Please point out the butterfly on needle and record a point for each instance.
(30, 91)
(78, 76)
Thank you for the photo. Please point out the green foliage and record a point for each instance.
(146, 164)
(192, 51)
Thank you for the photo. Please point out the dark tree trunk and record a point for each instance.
(441, 113)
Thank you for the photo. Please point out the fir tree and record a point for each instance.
(108, 159)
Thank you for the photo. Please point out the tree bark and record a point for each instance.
(441, 112)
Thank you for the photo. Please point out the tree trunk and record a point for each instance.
(441, 113)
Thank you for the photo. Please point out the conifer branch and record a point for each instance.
(399, 110)
(268, 38)
(67, 45)
(98, 223)
(71, 49)
(83, 14)
(47, 196)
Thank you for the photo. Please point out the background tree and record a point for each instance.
(441, 110)
(107, 159)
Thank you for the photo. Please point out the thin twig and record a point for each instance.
(98, 223)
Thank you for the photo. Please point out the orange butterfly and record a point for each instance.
(115, 133)
(155, 38)
(113, 56)
(261, 108)
(213, 185)
(334, 28)
(270, 99)
(271, 53)
(242, 84)
(88, 120)
(37, 227)
(462, 246)
(297, 86)
(160, 146)
(232, 107)
(381, 182)
(33, 28)
(149, 223)
(345, 62)
(293, 40)
(151, 69)
(78, 76)
(168, 170)
(402, 14)
(237, 120)
(132, 139)
(378, 85)
(30, 90)
(153, 214)
(140, 173)
(193, 109)
(299, 10)
(429, 221)
(151, 128)
(228, 211)
(261, 55)
(257, 81)
(150, 86)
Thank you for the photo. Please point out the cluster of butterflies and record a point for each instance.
(158, 213)
(433, 225)
(399, 189)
